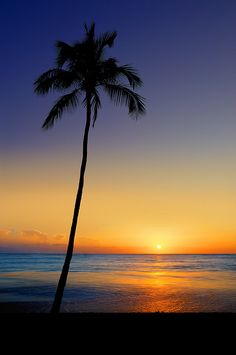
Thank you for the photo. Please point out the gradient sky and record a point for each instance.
(167, 179)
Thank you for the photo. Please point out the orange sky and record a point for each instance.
(126, 208)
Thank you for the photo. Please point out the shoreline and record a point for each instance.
(42, 309)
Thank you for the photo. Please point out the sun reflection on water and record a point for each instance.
(150, 284)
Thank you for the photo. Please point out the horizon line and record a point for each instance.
(78, 253)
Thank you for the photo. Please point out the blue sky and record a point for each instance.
(184, 50)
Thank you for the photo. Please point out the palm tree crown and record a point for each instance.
(81, 70)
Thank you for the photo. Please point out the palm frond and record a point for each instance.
(65, 53)
(53, 79)
(131, 74)
(96, 104)
(106, 39)
(107, 71)
(90, 31)
(65, 102)
(121, 94)
(111, 73)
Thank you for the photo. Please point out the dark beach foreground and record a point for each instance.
(32, 316)
(112, 332)
(118, 332)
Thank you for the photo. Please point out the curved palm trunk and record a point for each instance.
(69, 253)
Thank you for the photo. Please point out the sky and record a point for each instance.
(163, 184)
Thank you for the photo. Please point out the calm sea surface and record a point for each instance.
(123, 283)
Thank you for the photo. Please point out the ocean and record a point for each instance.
(121, 283)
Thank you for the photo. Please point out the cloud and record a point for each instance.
(8, 236)
(34, 236)
(7, 233)
(31, 239)
(34, 240)
(59, 237)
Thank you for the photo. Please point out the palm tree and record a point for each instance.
(81, 71)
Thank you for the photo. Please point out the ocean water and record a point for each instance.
(122, 283)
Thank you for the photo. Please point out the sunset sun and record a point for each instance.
(158, 246)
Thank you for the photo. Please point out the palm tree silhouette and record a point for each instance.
(81, 71)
